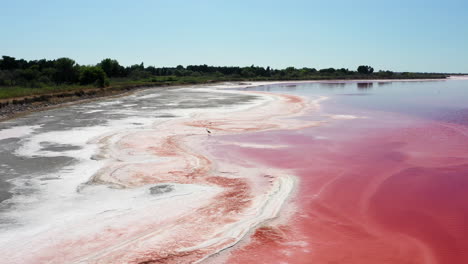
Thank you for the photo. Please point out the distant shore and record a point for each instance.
(18, 106)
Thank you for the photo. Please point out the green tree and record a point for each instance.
(248, 72)
(93, 74)
(29, 74)
(111, 67)
(66, 71)
(8, 63)
(327, 70)
(364, 69)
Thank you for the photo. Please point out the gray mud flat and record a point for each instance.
(31, 155)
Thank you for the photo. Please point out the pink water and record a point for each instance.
(389, 188)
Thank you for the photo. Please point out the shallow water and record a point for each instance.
(384, 182)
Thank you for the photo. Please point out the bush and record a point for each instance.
(139, 74)
(95, 75)
(44, 79)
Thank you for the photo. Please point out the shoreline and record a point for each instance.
(14, 107)
(19, 106)
(236, 198)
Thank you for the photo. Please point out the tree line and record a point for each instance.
(40, 73)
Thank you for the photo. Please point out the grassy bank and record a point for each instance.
(23, 81)
(8, 93)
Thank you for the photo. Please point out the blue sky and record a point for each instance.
(411, 35)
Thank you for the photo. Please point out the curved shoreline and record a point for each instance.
(237, 197)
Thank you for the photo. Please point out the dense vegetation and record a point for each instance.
(19, 77)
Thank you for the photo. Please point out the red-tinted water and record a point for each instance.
(390, 189)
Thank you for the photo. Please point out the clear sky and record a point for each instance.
(411, 35)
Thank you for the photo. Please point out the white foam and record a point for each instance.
(344, 117)
(149, 96)
(17, 131)
(259, 146)
(80, 137)
(94, 111)
(107, 103)
(458, 77)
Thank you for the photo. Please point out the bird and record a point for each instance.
(209, 132)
